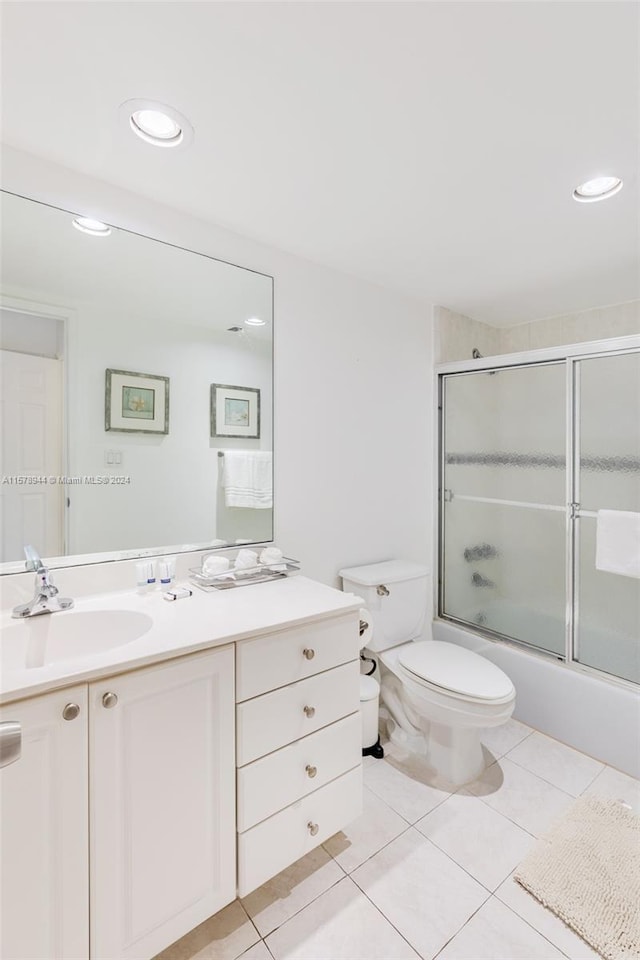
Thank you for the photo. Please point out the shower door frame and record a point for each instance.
(570, 355)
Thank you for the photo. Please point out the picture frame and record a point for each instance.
(136, 402)
(235, 411)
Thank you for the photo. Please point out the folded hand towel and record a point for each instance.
(271, 555)
(246, 558)
(618, 542)
(247, 479)
(212, 566)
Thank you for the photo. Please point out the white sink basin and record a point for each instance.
(73, 635)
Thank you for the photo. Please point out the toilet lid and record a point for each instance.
(455, 668)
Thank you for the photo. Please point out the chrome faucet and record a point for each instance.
(45, 599)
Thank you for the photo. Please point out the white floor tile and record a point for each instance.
(340, 925)
(259, 952)
(377, 825)
(406, 783)
(425, 895)
(544, 921)
(556, 763)
(287, 893)
(224, 936)
(523, 797)
(499, 740)
(477, 837)
(495, 933)
(617, 786)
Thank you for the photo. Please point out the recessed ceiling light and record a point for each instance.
(95, 228)
(156, 123)
(255, 322)
(600, 188)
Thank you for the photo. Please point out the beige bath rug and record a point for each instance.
(587, 871)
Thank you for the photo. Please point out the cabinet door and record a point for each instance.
(44, 831)
(162, 803)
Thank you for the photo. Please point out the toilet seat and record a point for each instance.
(455, 671)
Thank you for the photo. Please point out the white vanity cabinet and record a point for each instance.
(150, 795)
(298, 743)
(143, 772)
(162, 802)
(44, 911)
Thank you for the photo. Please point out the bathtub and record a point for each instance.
(598, 717)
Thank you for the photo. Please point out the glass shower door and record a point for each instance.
(607, 607)
(503, 503)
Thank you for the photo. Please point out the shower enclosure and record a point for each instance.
(530, 450)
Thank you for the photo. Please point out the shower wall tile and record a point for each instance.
(456, 335)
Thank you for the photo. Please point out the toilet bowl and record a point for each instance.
(436, 696)
(448, 695)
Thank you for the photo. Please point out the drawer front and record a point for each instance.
(276, 843)
(269, 722)
(275, 781)
(269, 662)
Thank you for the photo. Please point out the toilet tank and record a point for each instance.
(396, 594)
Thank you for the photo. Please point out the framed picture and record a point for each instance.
(136, 402)
(235, 411)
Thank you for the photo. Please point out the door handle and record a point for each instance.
(10, 742)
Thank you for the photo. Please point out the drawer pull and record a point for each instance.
(308, 653)
(309, 712)
(311, 771)
(71, 711)
(312, 828)
(109, 700)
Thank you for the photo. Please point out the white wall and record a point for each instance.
(353, 367)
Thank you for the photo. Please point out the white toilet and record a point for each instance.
(439, 696)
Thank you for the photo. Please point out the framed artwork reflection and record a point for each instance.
(235, 411)
(136, 402)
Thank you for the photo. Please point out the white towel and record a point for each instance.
(618, 542)
(247, 479)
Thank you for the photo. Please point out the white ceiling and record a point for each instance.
(429, 147)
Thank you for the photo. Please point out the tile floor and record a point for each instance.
(425, 872)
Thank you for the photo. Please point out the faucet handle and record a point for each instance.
(33, 561)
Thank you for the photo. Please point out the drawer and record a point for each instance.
(275, 781)
(273, 661)
(269, 722)
(276, 843)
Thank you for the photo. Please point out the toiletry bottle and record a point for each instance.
(151, 576)
(166, 572)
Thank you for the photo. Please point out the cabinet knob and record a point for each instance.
(70, 711)
(311, 771)
(309, 712)
(308, 653)
(109, 700)
(312, 828)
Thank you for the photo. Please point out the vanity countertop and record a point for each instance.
(172, 629)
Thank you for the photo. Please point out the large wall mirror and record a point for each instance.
(136, 382)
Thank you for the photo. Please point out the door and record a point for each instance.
(162, 808)
(504, 503)
(31, 423)
(44, 911)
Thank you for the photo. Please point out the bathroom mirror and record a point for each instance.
(132, 387)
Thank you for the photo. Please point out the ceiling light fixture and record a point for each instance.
(255, 322)
(600, 188)
(95, 228)
(156, 123)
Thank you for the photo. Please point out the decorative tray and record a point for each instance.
(261, 573)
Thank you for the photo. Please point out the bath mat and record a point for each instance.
(586, 870)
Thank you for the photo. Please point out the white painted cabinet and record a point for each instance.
(162, 802)
(119, 822)
(299, 743)
(44, 911)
